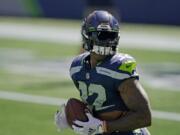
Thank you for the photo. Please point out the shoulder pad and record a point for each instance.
(78, 60)
(77, 64)
(128, 64)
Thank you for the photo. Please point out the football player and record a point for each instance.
(108, 83)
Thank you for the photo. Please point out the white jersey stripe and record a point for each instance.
(111, 73)
(74, 70)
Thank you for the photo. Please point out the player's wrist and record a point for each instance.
(103, 127)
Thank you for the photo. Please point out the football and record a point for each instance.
(75, 110)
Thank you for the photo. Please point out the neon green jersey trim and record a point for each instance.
(128, 66)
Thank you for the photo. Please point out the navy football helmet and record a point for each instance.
(100, 33)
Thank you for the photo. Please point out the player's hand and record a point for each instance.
(60, 118)
(91, 127)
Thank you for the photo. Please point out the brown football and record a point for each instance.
(75, 110)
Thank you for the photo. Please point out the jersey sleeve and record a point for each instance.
(126, 68)
(74, 69)
(76, 66)
(129, 66)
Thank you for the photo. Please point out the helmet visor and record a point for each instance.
(106, 35)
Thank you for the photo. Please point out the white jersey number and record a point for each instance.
(89, 92)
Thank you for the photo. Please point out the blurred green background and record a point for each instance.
(33, 64)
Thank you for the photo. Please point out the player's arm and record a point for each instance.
(136, 100)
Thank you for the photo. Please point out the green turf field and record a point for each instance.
(19, 118)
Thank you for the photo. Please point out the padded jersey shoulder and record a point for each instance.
(119, 66)
(77, 63)
(78, 60)
(123, 63)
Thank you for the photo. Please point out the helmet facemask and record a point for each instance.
(104, 42)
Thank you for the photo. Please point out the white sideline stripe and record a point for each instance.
(166, 115)
(31, 98)
(57, 101)
(69, 35)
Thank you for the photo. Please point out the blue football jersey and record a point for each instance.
(98, 86)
